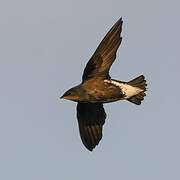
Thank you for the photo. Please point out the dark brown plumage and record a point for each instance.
(105, 54)
(97, 88)
(91, 118)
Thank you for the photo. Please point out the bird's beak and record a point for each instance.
(65, 97)
(62, 97)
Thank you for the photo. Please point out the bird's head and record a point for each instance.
(74, 94)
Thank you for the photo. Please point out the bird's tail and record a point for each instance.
(138, 82)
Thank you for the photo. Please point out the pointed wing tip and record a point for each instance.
(91, 143)
(120, 22)
(91, 148)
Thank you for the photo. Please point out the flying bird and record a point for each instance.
(97, 88)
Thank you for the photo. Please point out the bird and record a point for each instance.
(98, 88)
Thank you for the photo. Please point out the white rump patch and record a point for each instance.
(126, 89)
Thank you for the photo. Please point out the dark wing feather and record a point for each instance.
(91, 117)
(105, 54)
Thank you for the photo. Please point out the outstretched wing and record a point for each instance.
(105, 54)
(91, 117)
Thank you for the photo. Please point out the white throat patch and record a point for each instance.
(126, 89)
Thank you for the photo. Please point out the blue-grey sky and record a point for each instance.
(44, 47)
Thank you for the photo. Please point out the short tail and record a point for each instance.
(139, 82)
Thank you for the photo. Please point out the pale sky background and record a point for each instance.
(44, 47)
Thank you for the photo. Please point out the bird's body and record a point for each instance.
(97, 88)
(104, 91)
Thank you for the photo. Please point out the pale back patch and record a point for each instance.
(126, 89)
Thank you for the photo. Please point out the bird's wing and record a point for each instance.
(91, 117)
(105, 54)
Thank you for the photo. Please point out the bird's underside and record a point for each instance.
(97, 88)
